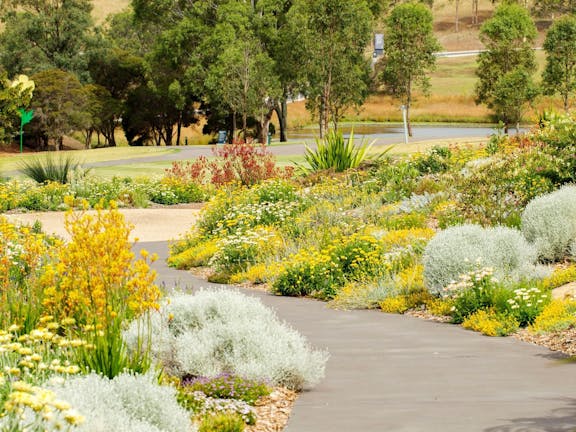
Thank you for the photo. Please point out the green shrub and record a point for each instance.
(404, 221)
(558, 315)
(549, 222)
(491, 323)
(226, 386)
(236, 252)
(458, 250)
(49, 168)
(524, 301)
(222, 423)
(495, 190)
(335, 152)
(436, 160)
(49, 196)
(473, 291)
(395, 180)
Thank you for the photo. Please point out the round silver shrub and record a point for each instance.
(212, 332)
(461, 249)
(549, 222)
(135, 403)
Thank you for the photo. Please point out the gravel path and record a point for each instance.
(399, 373)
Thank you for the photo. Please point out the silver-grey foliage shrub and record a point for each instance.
(213, 332)
(134, 403)
(549, 222)
(460, 249)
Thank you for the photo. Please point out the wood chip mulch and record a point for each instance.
(563, 342)
(273, 411)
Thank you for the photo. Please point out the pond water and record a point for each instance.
(394, 132)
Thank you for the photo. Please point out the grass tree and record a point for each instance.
(409, 55)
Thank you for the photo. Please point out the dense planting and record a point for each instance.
(80, 348)
(407, 232)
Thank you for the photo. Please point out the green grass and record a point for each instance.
(457, 76)
(11, 163)
(143, 169)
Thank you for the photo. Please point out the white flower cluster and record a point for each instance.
(243, 216)
(134, 403)
(13, 252)
(212, 332)
(236, 248)
(467, 280)
(527, 297)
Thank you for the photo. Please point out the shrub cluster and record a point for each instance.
(126, 192)
(458, 250)
(214, 332)
(240, 162)
(549, 222)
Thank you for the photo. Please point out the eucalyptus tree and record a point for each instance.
(60, 106)
(409, 55)
(218, 50)
(560, 72)
(509, 59)
(334, 34)
(45, 34)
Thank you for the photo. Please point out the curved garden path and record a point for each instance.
(398, 373)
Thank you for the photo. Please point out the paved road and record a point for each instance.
(397, 373)
(393, 135)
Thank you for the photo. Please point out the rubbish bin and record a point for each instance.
(222, 137)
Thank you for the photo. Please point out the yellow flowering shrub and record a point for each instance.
(556, 316)
(396, 304)
(559, 277)
(491, 323)
(31, 358)
(95, 278)
(32, 408)
(8, 195)
(411, 278)
(440, 306)
(406, 237)
(196, 256)
(258, 273)
(22, 254)
(404, 221)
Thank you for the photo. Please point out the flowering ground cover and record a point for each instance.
(398, 234)
(81, 346)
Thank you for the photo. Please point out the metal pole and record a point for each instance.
(403, 107)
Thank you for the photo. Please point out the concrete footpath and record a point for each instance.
(398, 373)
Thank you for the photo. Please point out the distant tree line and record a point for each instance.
(158, 67)
(154, 68)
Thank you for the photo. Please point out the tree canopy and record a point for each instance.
(509, 59)
(409, 55)
(560, 72)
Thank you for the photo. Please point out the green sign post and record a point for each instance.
(25, 118)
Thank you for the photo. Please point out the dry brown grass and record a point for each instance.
(103, 8)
